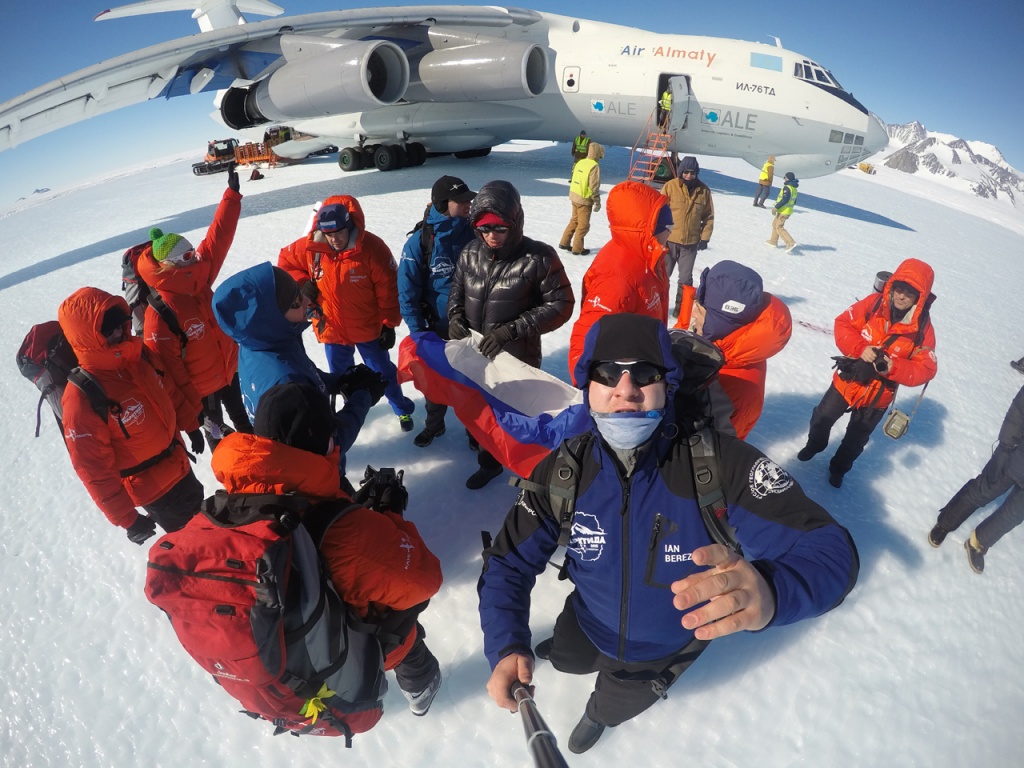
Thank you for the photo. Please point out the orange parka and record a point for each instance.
(628, 274)
(210, 357)
(358, 286)
(377, 560)
(908, 340)
(152, 413)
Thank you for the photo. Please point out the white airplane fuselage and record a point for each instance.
(732, 98)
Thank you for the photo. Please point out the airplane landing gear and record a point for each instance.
(384, 157)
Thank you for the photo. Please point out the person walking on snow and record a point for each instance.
(783, 210)
(585, 197)
(693, 214)
(1003, 472)
(764, 182)
(351, 277)
(425, 275)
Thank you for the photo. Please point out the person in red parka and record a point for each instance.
(134, 457)
(887, 340)
(351, 277)
(628, 274)
(378, 561)
(200, 358)
(731, 309)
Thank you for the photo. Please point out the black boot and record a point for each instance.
(585, 735)
(1018, 365)
(937, 535)
(975, 553)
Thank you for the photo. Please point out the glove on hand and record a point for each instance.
(196, 441)
(233, 183)
(141, 529)
(702, 245)
(496, 339)
(855, 369)
(387, 337)
(457, 328)
(597, 206)
(382, 490)
(362, 377)
(310, 291)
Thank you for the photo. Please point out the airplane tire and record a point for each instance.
(385, 157)
(350, 159)
(417, 153)
(470, 153)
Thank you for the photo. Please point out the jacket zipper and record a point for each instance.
(624, 602)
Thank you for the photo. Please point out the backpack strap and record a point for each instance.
(98, 399)
(163, 309)
(707, 480)
(426, 236)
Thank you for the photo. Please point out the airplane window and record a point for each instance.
(858, 140)
(822, 78)
(836, 137)
(833, 78)
(798, 70)
(848, 139)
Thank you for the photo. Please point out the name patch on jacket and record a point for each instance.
(767, 477)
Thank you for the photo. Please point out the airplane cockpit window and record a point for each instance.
(811, 72)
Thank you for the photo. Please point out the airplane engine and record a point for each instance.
(322, 77)
(487, 71)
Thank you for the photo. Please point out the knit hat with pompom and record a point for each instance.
(170, 247)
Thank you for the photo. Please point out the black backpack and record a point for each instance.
(47, 360)
(139, 294)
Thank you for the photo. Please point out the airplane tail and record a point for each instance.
(210, 14)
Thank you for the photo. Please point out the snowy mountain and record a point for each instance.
(919, 667)
(973, 165)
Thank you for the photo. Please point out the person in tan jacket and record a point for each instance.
(693, 214)
(585, 196)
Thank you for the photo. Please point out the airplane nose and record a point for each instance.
(877, 137)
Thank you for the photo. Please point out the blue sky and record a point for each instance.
(956, 70)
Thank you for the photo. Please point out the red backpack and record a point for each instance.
(245, 590)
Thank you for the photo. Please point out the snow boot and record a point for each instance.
(975, 553)
(937, 535)
(419, 703)
(585, 735)
(807, 453)
(1018, 365)
(543, 649)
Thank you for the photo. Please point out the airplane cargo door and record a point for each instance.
(681, 102)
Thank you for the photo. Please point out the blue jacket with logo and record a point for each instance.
(633, 537)
(270, 349)
(423, 287)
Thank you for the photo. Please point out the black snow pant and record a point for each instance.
(980, 491)
(228, 399)
(419, 666)
(623, 690)
(179, 505)
(435, 416)
(862, 423)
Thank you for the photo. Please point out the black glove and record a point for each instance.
(233, 184)
(141, 529)
(457, 328)
(702, 245)
(855, 369)
(361, 377)
(387, 337)
(197, 441)
(496, 339)
(382, 489)
(310, 291)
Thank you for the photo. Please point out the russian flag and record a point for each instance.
(516, 412)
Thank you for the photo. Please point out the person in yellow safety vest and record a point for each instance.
(585, 196)
(764, 182)
(665, 106)
(783, 210)
(579, 150)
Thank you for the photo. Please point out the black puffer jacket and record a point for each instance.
(522, 282)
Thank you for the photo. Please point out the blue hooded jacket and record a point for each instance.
(270, 349)
(632, 537)
(421, 283)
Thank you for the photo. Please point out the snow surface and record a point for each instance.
(919, 667)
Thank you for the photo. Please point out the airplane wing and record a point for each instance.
(215, 60)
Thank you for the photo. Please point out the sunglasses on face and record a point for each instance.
(642, 373)
(492, 229)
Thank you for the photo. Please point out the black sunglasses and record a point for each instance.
(643, 373)
(687, 173)
(495, 229)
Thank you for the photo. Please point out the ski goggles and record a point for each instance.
(492, 229)
(641, 372)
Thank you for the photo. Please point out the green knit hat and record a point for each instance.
(170, 247)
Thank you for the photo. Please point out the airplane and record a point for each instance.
(393, 84)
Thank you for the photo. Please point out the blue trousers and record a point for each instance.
(341, 357)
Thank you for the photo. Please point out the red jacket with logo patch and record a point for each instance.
(376, 559)
(871, 322)
(153, 412)
(358, 286)
(211, 357)
(628, 274)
